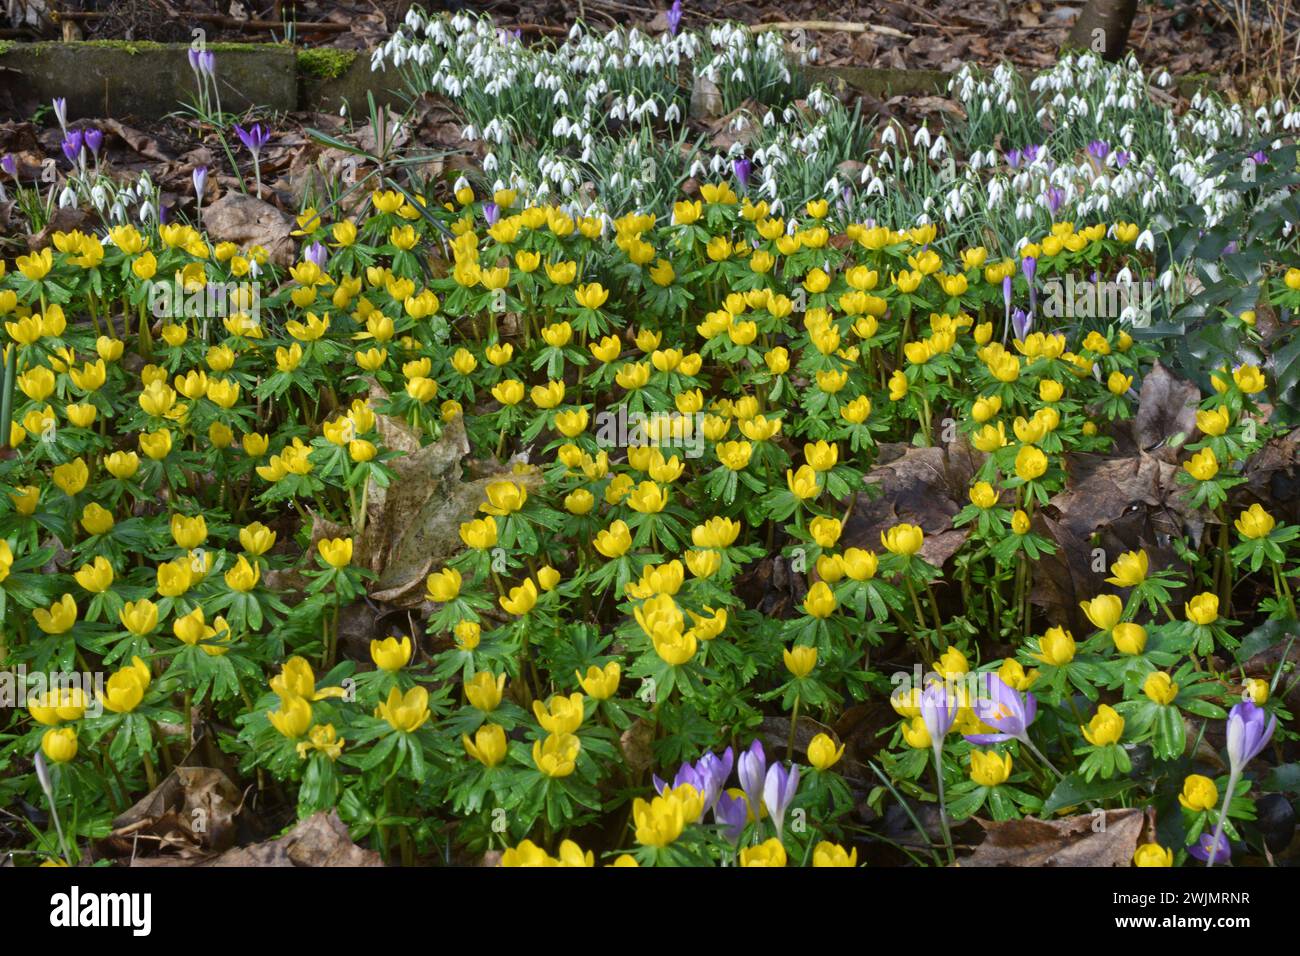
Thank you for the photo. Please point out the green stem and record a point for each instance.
(1233, 776)
(794, 724)
(943, 812)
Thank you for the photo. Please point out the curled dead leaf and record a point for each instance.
(1107, 838)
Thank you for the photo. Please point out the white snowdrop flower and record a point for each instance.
(67, 198)
(889, 137)
(876, 187)
(1145, 241)
(907, 165)
(1012, 109)
(922, 137)
(490, 163)
(1125, 276)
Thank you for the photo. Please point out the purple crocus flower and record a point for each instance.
(1250, 728)
(686, 774)
(195, 63)
(1014, 158)
(200, 176)
(254, 138)
(1260, 158)
(1029, 266)
(714, 770)
(1099, 149)
(208, 63)
(491, 212)
(1122, 158)
(1030, 153)
(1209, 848)
(938, 709)
(742, 167)
(1055, 199)
(1006, 306)
(94, 140)
(9, 164)
(1005, 710)
(73, 144)
(779, 789)
(674, 17)
(1021, 323)
(61, 112)
(732, 813)
(318, 254)
(751, 768)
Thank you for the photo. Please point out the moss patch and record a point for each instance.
(325, 63)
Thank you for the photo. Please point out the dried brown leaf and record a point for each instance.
(1106, 839)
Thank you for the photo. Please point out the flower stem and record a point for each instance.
(1233, 776)
(794, 723)
(943, 813)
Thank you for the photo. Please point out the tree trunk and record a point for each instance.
(1103, 27)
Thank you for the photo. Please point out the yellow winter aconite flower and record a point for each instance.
(769, 853)
(59, 744)
(820, 603)
(292, 718)
(989, 769)
(1255, 523)
(1199, 793)
(1106, 727)
(391, 654)
(1129, 638)
(1160, 687)
(563, 715)
(557, 754)
(1203, 609)
(521, 599)
(1129, 570)
(830, 854)
(659, 821)
(484, 690)
(1104, 611)
(1203, 465)
(243, 576)
(55, 705)
(903, 539)
(1056, 647)
(1153, 854)
(59, 617)
(488, 745)
(952, 664)
(600, 683)
(1256, 689)
(337, 552)
(405, 712)
(823, 753)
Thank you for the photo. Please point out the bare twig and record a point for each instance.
(827, 26)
